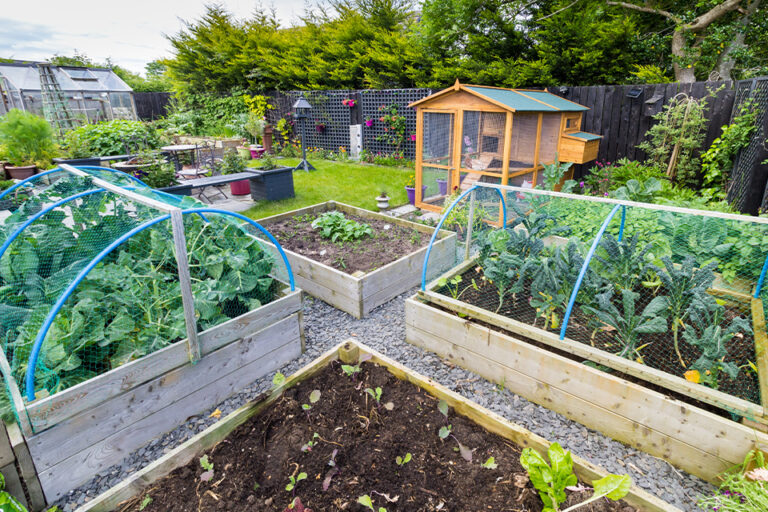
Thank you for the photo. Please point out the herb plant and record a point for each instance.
(336, 226)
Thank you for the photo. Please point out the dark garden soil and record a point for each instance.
(658, 351)
(252, 466)
(388, 243)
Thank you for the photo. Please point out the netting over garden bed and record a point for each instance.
(98, 270)
(670, 295)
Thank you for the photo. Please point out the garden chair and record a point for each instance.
(206, 164)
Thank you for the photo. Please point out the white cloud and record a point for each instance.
(130, 33)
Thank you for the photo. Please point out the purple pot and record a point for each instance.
(442, 185)
(411, 191)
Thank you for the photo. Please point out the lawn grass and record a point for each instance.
(346, 182)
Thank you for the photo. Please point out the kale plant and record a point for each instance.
(628, 324)
(707, 332)
(336, 226)
(683, 284)
(624, 263)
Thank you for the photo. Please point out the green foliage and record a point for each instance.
(366, 501)
(707, 332)
(718, 159)
(550, 479)
(26, 139)
(130, 304)
(490, 463)
(109, 138)
(7, 502)
(336, 226)
(402, 461)
(742, 490)
(4, 184)
(622, 263)
(294, 481)
(554, 172)
(209, 115)
(232, 163)
(627, 323)
(643, 192)
(154, 170)
(649, 74)
(681, 123)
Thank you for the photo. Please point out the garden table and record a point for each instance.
(175, 150)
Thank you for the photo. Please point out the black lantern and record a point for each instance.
(301, 113)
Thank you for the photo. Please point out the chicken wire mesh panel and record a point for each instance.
(389, 125)
(232, 270)
(81, 301)
(670, 290)
(482, 141)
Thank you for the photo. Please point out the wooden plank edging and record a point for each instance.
(349, 351)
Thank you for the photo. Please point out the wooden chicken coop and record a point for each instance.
(470, 133)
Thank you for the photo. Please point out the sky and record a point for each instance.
(130, 32)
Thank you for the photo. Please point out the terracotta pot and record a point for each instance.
(267, 139)
(21, 172)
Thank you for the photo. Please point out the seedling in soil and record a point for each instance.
(402, 461)
(310, 444)
(490, 463)
(350, 371)
(145, 502)
(295, 481)
(552, 479)
(442, 406)
(365, 501)
(332, 462)
(446, 432)
(314, 396)
(297, 505)
(208, 467)
(376, 394)
(278, 380)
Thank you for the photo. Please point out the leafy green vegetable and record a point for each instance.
(623, 263)
(336, 226)
(628, 324)
(550, 479)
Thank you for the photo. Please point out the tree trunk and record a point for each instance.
(726, 63)
(683, 74)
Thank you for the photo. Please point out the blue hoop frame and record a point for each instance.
(43, 332)
(23, 183)
(759, 286)
(445, 215)
(584, 267)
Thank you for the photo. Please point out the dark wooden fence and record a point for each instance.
(151, 105)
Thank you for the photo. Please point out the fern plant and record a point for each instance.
(629, 325)
(683, 284)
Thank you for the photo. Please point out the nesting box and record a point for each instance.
(471, 133)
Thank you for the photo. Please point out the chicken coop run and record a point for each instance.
(123, 310)
(467, 134)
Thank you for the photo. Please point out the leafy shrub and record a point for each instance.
(109, 138)
(4, 184)
(335, 226)
(634, 190)
(157, 174)
(26, 139)
(742, 490)
(232, 163)
(553, 173)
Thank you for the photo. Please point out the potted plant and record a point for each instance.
(27, 142)
(156, 173)
(442, 186)
(233, 164)
(382, 201)
(244, 152)
(143, 162)
(410, 189)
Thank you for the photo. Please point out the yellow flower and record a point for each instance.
(693, 376)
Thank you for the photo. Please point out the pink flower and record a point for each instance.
(369, 122)
(581, 184)
(606, 194)
(413, 137)
(607, 163)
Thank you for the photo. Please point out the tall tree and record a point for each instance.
(690, 26)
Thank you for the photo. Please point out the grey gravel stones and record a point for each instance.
(384, 331)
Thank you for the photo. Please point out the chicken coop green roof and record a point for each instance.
(527, 101)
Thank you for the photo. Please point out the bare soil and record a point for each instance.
(388, 243)
(252, 466)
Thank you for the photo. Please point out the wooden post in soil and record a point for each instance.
(188, 301)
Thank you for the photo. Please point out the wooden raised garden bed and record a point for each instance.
(82, 430)
(534, 363)
(255, 449)
(359, 292)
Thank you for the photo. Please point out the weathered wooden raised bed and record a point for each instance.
(696, 440)
(358, 294)
(349, 352)
(80, 431)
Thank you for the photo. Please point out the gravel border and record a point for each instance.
(384, 330)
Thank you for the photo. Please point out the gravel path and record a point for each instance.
(384, 330)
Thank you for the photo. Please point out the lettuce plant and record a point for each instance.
(336, 226)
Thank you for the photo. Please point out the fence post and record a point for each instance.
(180, 244)
(470, 224)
